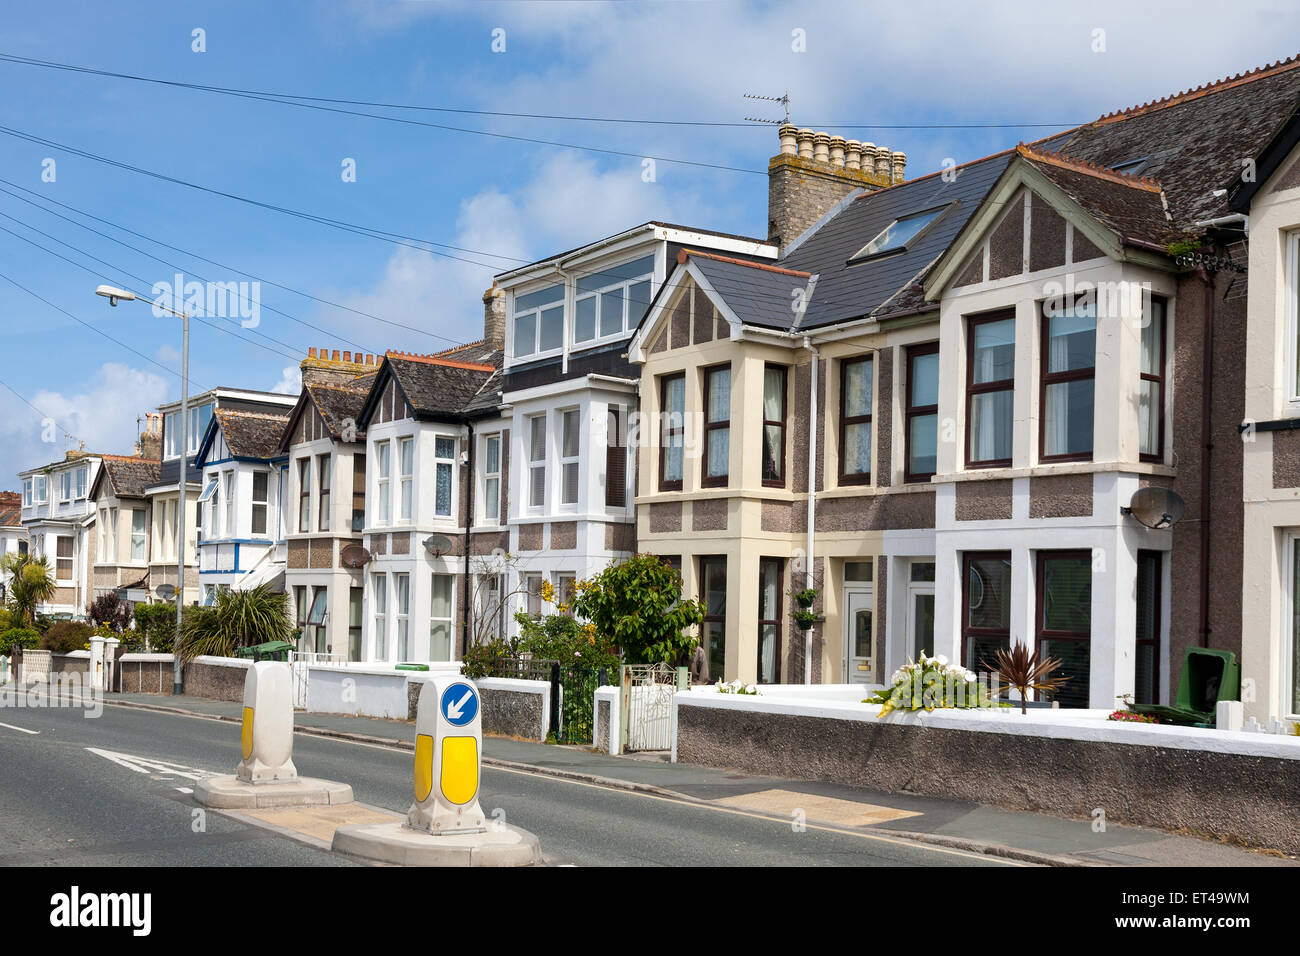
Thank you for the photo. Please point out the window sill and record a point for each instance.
(1064, 468)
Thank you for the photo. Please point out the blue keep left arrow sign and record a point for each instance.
(459, 704)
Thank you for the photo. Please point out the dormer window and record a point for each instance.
(612, 303)
(900, 234)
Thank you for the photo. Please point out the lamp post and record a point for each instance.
(114, 296)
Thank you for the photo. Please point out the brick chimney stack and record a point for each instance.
(151, 437)
(494, 317)
(326, 366)
(814, 171)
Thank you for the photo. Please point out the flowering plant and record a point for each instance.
(736, 687)
(1132, 717)
(929, 683)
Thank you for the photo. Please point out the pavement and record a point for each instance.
(973, 829)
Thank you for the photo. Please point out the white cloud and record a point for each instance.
(103, 415)
(290, 381)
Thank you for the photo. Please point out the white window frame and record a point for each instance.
(379, 586)
(65, 486)
(626, 285)
(490, 496)
(228, 502)
(449, 620)
(264, 504)
(71, 558)
(533, 464)
(142, 536)
(536, 312)
(101, 539)
(441, 462)
(570, 461)
(1291, 290)
(402, 612)
(405, 481)
(27, 493)
(82, 481)
(383, 479)
(324, 487)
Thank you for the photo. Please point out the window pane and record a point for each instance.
(407, 463)
(442, 590)
(638, 303)
(773, 394)
(584, 323)
(492, 455)
(538, 498)
(995, 351)
(676, 398)
(1068, 426)
(1149, 418)
(1067, 594)
(570, 434)
(525, 334)
(1148, 632)
(442, 503)
(1072, 340)
(537, 431)
(990, 431)
(570, 484)
(897, 234)
(857, 449)
(857, 571)
(444, 448)
(1152, 338)
(719, 395)
(857, 388)
(1074, 658)
(552, 336)
(620, 273)
(611, 312)
(923, 445)
(989, 593)
(673, 456)
(492, 494)
(1295, 628)
(545, 296)
(773, 452)
(719, 440)
(925, 379)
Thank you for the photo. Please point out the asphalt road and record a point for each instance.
(61, 804)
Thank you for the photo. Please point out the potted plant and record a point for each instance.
(805, 598)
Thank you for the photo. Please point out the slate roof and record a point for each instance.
(11, 509)
(1193, 143)
(758, 294)
(129, 477)
(339, 404)
(452, 384)
(252, 434)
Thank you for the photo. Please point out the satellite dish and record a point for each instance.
(437, 545)
(354, 556)
(1156, 508)
(165, 591)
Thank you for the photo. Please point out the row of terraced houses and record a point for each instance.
(932, 399)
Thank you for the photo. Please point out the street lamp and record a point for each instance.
(115, 295)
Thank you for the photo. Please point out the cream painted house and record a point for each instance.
(59, 518)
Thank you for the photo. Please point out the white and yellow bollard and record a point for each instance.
(266, 775)
(448, 751)
(266, 740)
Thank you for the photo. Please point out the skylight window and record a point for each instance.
(1131, 167)
(899, 234)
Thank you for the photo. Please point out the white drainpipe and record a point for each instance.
(812, 495)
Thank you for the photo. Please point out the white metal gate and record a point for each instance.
(300, 661)
(646, 705)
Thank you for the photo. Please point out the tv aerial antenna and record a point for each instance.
(783, 100)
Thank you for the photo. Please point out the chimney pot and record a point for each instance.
(335, 356)
(900, 163)
(805, 138)
(788, 133)
(347, 357)
(837, 151)
(311, 352)
(821, 147)
(494, 318)
(852, 154)
(883, 162)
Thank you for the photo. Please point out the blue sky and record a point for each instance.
(864, 64)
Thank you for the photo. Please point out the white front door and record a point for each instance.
(858, 607)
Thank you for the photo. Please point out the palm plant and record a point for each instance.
(1025, 672)
(236, 619)
(31, 583)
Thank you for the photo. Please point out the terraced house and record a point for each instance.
(59, 518)
(123, 518)
(570, 400)
(326, 510)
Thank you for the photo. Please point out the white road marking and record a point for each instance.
(149, 766)
(22, 730)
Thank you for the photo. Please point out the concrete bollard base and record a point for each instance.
(400, 845)
(231, 793)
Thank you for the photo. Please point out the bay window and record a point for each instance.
(990, 389)
(1065, 620)
(570, 446)
(774, 379)
(1068, 374)
(539, 321)
(672, 400)
(444, 453)
(611, 303)
(857, 381)
(717, 425)
(921, 417)
(1151, 406)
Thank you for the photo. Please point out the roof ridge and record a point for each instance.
(683, 253)
(340, 388)
(1065, 161)
(154, 461)
(461, 348)
(248, 414)
(437, 360)
(1205, 89)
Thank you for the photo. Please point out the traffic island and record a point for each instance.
(445, 825)
(266, 776)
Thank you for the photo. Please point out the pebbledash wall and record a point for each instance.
(1245, 786)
